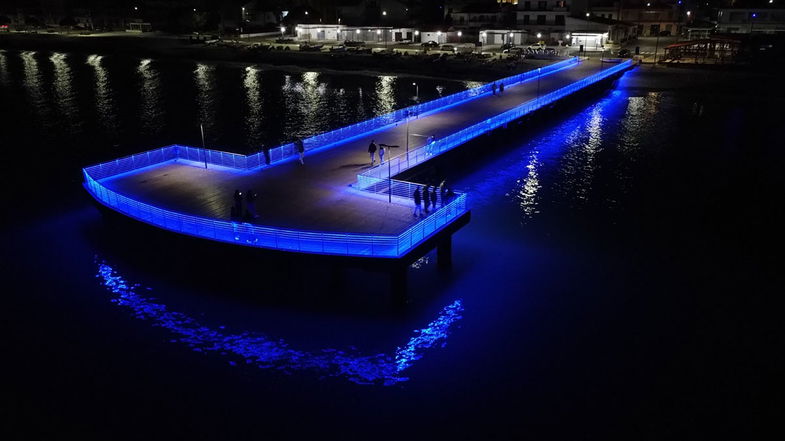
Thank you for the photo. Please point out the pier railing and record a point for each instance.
(289, 150)
(376, 176)
(247, 234)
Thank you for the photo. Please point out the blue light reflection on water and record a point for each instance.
(267, 353)
(569, 150)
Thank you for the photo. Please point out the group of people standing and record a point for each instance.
(429, 197)
(247, 212)
(500, 86)
(381, 148)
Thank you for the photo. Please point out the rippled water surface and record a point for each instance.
(598, 290)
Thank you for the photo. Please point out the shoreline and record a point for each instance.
(172, 48)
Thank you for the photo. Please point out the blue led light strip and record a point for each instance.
(243, 233)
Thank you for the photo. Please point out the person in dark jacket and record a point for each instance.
(493, 88)
(433, 197)
(301, 150)
(372, 151)
(426, 198)
(266, 151)
(250, 204)
(237, 208)
(501, 88)
(417, 202)
(443, 193)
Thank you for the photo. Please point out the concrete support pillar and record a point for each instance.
(444, 252)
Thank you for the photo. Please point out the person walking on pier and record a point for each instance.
(372, 151)
(443, 192)
(426, 198)
(237, 208)
(250, 204)
(417, 202)
(501, 88)
(493, 87)
(381, 152)
(300, 150)
(433, 197)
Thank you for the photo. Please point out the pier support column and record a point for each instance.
(399, 284)
(444, 252)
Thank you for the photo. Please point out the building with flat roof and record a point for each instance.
(751, 21)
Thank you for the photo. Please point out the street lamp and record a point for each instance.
(283, 31)
(752, 22)
(539, 69)
(384, 13)
(416, 91)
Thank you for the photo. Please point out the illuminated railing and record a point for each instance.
(243, 233)
(363, 128)
(372, 177)
(377, 180)
(285, 151)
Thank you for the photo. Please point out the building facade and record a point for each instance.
(751, 21)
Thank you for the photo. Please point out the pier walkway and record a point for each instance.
(328, 205)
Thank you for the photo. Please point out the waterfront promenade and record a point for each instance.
(319, 196)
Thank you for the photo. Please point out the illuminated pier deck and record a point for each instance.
(335, 203)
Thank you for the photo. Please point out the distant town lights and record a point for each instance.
(539, 35)
(357, 31)
(416, 32)
(378, 32)
(283, 29)
(460, 33)
(438, 32)
(384, 12)
(689, 13)
(587, 14)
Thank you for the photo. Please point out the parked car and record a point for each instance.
(537, 46)
(623, 53)
(338, 49)
(507, 46)
(311, 47)
(430, 44)
(448, 48)
(348, 43)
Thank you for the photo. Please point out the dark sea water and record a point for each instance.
(616, 280)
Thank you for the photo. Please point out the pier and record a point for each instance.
(336, 204)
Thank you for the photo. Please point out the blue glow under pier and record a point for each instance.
(335, 204)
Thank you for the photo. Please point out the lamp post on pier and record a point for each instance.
(417, 91)
(539, 69)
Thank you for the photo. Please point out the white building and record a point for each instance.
(368, 34)
(502, 36)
